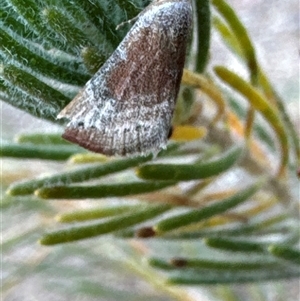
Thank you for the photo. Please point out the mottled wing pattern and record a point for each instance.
(127, 106)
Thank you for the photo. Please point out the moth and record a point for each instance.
(126, 108)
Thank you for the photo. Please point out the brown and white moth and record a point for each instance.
(126, 108)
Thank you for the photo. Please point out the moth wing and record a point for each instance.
(127, 106)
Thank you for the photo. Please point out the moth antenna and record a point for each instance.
(128, 21)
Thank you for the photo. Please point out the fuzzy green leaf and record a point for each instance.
(197, 215)
(187, 172)
(100, 191)
(45, 152)
(121, 222)
(78, 175)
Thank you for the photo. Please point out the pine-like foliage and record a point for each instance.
(216, 207)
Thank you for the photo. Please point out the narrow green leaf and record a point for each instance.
(230, 39)
(160, 263)
(197, 215)
(38, 63)
(64, 28)
(95, 213)
(195, 263)
(226, 277)
(78, 175)
(203, 33)
(80, 20)
(264, 226)
(259, 102)
(247, 48)
(35, 23)
(228, 36)
(100, 191)
(285, 252)
(34, 87)
(120, 222)
(10, 19)
(131, 9)
(241, 35)
(187, 172)
(260, 129)
(235, 245)
(171, 150)
(97, 15)
(20, 99)
(42, 138)
(45, 152)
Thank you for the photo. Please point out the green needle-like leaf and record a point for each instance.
(259, 102)
(210, 277)
(46, 152)
(96, 213)
(37, 62)
(187, 172)
(100, 191)
(60, 23)
(285, 252)
(121, 222)
(35, 87)
(33, 19)
(81, 174)
(197, 215)
(235, 245)
(241, 35)
(203, 33)
(42, 138)
(188, 263)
